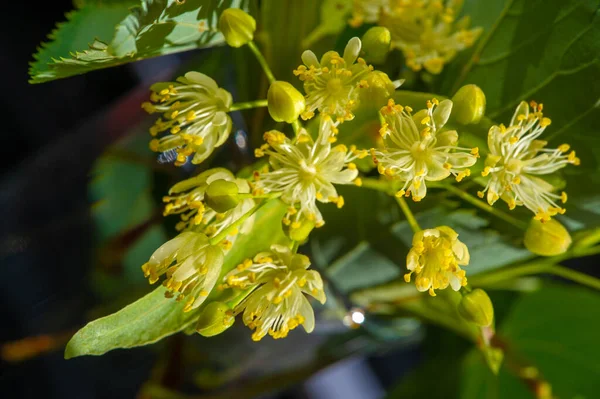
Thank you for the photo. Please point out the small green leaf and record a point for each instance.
(145, 321)
(154, 317)
(156, 27)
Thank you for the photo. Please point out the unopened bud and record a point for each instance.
(378, 89)
(299, 231)
(285, 102)
(215, 318)
(237, 26)
(222, 195)
(477, 307)
(547, 238)
(469, 105)
(376, 44)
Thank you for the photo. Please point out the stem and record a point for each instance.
(262, 61)
(248, 105)
(252, 196)
(537, 268)
(296, 125)
(294, 246)
(486, 207)
(225, 232)
(410, 218)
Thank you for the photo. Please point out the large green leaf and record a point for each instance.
(548, 51)
(153, 317)
(155, 27)
(83, 26)
(553, 330)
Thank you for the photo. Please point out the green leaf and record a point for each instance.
(92, 21)
(553, 330)
(154, 317)
(156, 27)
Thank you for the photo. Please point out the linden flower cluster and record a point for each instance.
(516, 160)
(435, 259)
(304, 170)
(426, 31)
(194, 117)
(279, 279)
(418, 150)
(332, 84)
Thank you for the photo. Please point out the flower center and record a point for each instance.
(419, 150)
(514, 165)
(307, 172)
(334, 86)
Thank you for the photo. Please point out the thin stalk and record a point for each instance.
(262, 61)
(266, 195)
(294, 246)
(410, 218)
(296, 125)
(248, 105)
(537, 268)
(223, 234)
(485, 207)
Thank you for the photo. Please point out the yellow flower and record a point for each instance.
(277, 304)
(332, 85)
(416, 149)
(435, 258)
(517, 157)
(426, 31)
(186, 199)
(195, 119)
(304, 170)
(192, 266)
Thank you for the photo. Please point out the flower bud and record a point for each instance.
(469, 105)
(222, 195)
(547, 238)
(299, 231)
(376, 44)
(378, 89)
(215, 318)
(285, 102)
(237, 26)
(477, 307)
